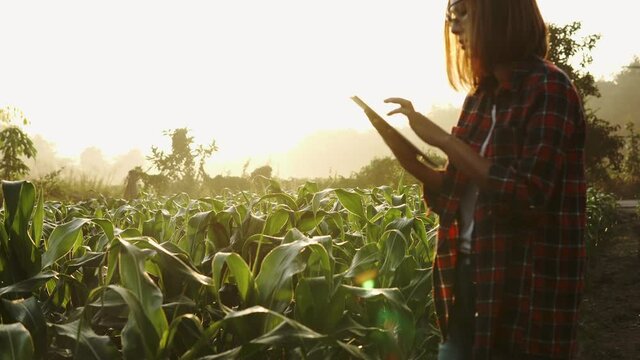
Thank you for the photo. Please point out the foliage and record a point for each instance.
(603, 150)
(316, 274)
(603, 147)
(15, 144)
(380, 171)
(619, 101)
(632, 154)
(601, 218)
(179, 166)
(388, 171)
(218, 184)
(72, 187)
(264, 171)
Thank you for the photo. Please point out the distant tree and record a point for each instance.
(564, 50)
(245, 166)
(265, 171)
(603, 147)
(15, 145)
(387, 171)
(619, 102)
(131, 182)
(179, 166)
(632, 155)
(380, 171)
(219, 184)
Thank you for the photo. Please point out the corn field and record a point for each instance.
(315, 274)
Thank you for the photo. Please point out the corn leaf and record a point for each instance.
(62, 239)
(15, 342)
(89, 345)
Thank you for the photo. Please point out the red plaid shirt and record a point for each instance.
(528, 241)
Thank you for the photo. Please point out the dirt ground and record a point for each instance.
(610, 312)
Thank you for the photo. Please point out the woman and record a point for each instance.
(508, 274)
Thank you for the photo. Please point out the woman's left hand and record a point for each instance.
(426, 129)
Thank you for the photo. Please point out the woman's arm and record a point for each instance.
(407, 156)
(554, 109)
(465, 159)
(459, 153)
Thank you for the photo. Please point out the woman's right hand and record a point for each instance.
(406, 155)
(426, 129)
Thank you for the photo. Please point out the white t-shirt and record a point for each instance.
(469, 198)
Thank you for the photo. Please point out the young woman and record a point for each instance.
(508, 274)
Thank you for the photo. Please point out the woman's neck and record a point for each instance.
(502, 73)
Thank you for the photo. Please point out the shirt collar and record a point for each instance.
(519, 71)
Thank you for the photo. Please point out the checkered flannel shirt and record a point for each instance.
(528, 241)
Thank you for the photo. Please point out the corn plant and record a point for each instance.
(311, 274)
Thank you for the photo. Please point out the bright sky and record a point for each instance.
(256, 76)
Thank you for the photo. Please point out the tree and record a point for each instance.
(15, 145)
(380, 171)
(603, 148)
(179, 166)
(619, 102)
(388, 171)
(632, 156)
(265, 171)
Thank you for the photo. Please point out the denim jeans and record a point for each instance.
(459, 343)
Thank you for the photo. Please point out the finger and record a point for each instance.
(399, 110)
(399, 101)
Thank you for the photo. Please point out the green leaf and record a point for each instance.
(62, 239)
(317, 306)
(352, 202)
(28, 313)
(309, 220)
(15, 342)
(364, 259)
(140, 339)
(241, 273)
(394, 249)
(38, 220)
(280, 265)
(318, 199)
(169, 261)
(23, 255)
(27, 286)
(276, 220)
(285, 332)
(184, 332)
(393, 316)
(134, 278)
(194, 242)
(284, 198)
(89, 345)
(90, 258)
(107, 227)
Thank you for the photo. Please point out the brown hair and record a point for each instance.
(502, 31)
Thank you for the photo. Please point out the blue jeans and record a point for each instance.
(459, 343)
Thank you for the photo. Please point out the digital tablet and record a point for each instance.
(390, 135)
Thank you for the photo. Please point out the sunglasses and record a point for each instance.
(457, 11)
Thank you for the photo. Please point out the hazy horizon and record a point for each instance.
(262, 79)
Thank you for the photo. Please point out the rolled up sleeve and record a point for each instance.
(441, 202)
(434, 199)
